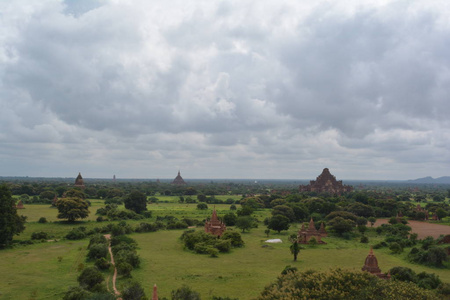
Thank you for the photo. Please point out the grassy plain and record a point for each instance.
(34, 271)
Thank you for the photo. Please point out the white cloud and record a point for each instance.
(224, 89)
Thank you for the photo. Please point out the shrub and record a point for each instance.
(76, 234)
(90, 279)
(396, 248)
(124, 269)
(223, 245)
(202, 206)
(234, 237)
(213, 252)
(76, 293)
(42, 220)
(97, 251)
(185, 293)
(97, 239)
(132, 291)
(39, 235)
(102, 263)
(128, 256)
(364, 239)
(177, 225)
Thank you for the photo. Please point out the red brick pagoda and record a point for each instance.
(326, 183)
(215, 226)
(305, 235)
(371, 266)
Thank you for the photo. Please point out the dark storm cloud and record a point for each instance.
(251, 89)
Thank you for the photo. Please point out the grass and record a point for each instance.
(34, 272)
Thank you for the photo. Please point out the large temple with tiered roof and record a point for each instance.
(326, 183)
(79, 182)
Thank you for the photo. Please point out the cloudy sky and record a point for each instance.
(225, 89)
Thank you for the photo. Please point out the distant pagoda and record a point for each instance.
(79, 182)
(178, 180)
(214, 225)
(326, 183)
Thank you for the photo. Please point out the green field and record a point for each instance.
(35, 272)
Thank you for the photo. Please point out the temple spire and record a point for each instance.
(155, 293)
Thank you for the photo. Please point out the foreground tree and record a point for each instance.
(72, 208)
(341, 284)
(136, 201)
(10, 222)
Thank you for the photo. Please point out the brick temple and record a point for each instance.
(305, 235)
(214, 225)
(371, 266)
(326, 183)
(179, 180)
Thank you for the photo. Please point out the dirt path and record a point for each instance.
(116, 292)
(423, 229)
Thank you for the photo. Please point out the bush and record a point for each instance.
(202, 206)
(396, 248)
(76, 234)
(102, 263)
(97, 251)
(97, 239)
(76, 293)
(364, 239)
(234, 237)
(223, 245)
(124, 269)
(185, 293)
(213, 252)
(128, 256)
(39, 235)
(42, 220)
(133, 291)
(90, 279)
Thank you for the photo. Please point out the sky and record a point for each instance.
(225, 89)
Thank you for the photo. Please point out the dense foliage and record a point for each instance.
(10, 222)
(341, 284)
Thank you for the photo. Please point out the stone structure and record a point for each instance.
(155, 293)
(305, 235)
(214, 225)
(179, 180)
(20, 205)
(371, 266)
(326, 183)
(79, 182)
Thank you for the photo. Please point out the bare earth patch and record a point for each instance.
(423, 229)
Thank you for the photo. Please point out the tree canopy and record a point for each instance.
(136, 201)
(72, 208)
(10, 222)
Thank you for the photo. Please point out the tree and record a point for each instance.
(72, 208)
(202, 206)
(284, 210)
(295, 249)
(136, 201)
(244, 222)
(133, 291)
(278, 223)
(372, 221)
(91, 278)
(440, 213)
(10, 222)
(185, 293)
(340, 225)
(230, 219)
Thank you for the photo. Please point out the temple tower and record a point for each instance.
(214, 225)
(79, 182)
(179, 180)
(371, 266)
